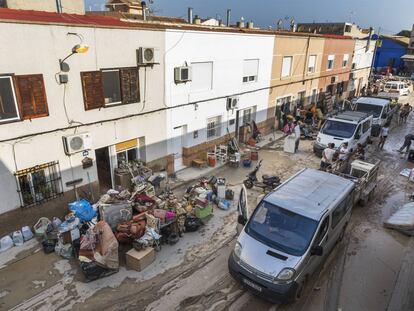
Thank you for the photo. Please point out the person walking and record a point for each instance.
(344, 152)
(383, 135)
(407, 142)
(327, 156)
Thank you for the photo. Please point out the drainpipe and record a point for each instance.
(144, 10)
(228, 17)
(58, 6)
(190, 16)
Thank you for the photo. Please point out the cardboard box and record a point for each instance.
(139, 260)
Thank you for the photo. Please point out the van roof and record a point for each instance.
(378, 101)
(310, 193)
(351, 116)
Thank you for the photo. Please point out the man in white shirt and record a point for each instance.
(327, 156)
(383, 135)
(344, 152)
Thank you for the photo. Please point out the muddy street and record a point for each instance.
(361, 273)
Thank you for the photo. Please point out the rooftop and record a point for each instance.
(374, 100)
(310, 193)
(351, 116)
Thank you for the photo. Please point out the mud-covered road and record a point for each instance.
(360, 274)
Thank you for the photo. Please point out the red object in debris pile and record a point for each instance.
(254, 156)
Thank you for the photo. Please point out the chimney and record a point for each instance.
(197, 20)
(369, 39)
(58, 6)
(190, 15)
(250, 25)
(144, 10)
(241, 23)
(228, 17)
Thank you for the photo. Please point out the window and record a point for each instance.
(366, 126)
(202, 76)
(39, 184)
(322, 232)
(111, 86)
(301, 99)
(314, 97)
(31, 96)
(250, 70)
(312, 64)
(8, 103)
(286, 66)
(341, 210)
(345, 60)
(331, 59)
(127, 152)
(214, 127)
(249, 115)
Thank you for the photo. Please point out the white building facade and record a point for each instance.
(109, 101)
(361, 64)
(223, 65)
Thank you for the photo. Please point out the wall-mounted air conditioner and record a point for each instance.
(145, 56)
(232, 103)
(77, 143)
(182, 74)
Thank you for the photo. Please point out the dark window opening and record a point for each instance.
(8, 105)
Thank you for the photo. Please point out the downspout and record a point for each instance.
(58, 6)
(306, 60)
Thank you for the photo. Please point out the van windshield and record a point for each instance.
(338, 129)
(369, 108)
(281, 229)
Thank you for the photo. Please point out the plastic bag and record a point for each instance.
(27, 233)
(6, 243)
(83, 210)
(69, 224)
(64, 250)
(18, 238)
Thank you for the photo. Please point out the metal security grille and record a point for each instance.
(39, 184)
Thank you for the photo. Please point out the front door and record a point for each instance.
(179, 141)
(243, 209)
(103, 166)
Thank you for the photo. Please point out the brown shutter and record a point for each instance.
(92, 85)
(31, 96)
(130, 85)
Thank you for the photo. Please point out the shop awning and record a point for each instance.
(409, 57)
(129, 144)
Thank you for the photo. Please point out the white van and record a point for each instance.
(290, 233)
(381, 111)
(350, 127)
(395, 89)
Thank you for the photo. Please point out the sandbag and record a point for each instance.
(6, 243)
(83, 210)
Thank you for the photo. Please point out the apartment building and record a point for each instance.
(361, 65)
(296, 67)
(70, 125)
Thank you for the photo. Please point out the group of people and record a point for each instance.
(330, 155)
(308, 121)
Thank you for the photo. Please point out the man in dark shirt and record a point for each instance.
(407, 142)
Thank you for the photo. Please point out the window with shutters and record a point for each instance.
(331, 59)
(213, 127)
(8, 103)
(312, 64)
(286, 66)
(110, 87)
(250, 70)
(31, 96)
(345, 60)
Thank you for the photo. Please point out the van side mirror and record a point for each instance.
(316, 250)
(241, 220)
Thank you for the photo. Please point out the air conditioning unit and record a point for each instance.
(334, 79)
(232, 103)
(77, 143)
(145, 56)
(182, 74)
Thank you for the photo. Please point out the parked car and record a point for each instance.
(290, 233)
(350, 127)
(395, 89)
(381, 109)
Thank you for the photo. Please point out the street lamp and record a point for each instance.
(80, 48)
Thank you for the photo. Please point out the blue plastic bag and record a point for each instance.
(83, 210)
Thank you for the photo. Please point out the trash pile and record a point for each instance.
(141, 219)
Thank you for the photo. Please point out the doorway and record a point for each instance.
(103, 166)
(179, 141)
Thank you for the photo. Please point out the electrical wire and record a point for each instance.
(178, 106)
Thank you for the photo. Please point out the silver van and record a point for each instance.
(290, 233)
(381, 111)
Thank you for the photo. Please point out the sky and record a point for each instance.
(391, 15)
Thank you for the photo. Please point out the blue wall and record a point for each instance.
(389, 50)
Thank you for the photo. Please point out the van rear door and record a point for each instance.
(243, 210)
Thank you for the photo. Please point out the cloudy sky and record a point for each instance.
(390, 15)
